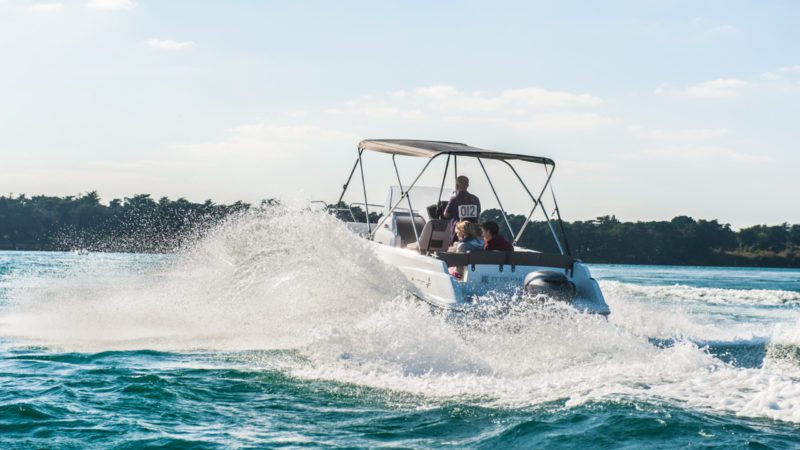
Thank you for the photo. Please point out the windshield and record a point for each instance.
(420, 196)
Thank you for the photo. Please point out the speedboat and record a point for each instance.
(410, 234)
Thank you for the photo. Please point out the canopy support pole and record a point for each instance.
(408, 199)
(525, 225)
(560, 222)
(536, 202)
(502, 209)
(364, 186)
(444, 177)
(552, 229)
(547, 217)
(347, 183)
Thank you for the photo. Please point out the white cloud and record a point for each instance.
(111, 5)
(266, 140)
(784, 79)
(448, 97)
(46, 7)
(564, 121)
(146, 165)
(686, 145)
(721, 29)
(723, 87)
(167, 44)
(781, 73)
(528, 108)
(437, 92)
(389, 112)
(708, 27)
(792, 69)
(694, 152)
(590, 171)
(268, 157)
(692, 133)
(376, 108)
(297, 114)
(538, 97)
(272, 154)
(683, 134)
(246, 163)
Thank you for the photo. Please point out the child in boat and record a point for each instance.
(468, 241)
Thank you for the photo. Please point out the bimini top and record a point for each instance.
(430, 149)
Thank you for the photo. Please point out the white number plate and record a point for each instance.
(468, 211)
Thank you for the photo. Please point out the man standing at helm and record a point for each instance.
(462, 206)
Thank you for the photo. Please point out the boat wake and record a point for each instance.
(708, 296)
(293, 280)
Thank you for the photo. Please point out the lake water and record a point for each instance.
(265, 334)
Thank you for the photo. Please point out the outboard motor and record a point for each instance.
(550, 283)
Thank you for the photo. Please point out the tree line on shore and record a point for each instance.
(680, 241)
(132, 224)
(143, 224)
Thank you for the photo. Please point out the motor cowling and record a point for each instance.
(551, 284)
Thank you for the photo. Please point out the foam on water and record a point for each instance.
(264, 280)
(295, 280)
(701, 314)
(688, 294)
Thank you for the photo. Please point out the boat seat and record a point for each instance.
(435, 236)
(477, 257)
(487, 258)
(502, 259)
(540, 259)
(454, 259)
(404, 227)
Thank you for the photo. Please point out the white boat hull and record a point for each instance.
(429, 276)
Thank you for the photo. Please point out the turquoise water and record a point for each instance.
(242, 341)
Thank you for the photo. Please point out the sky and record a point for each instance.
(650, 109)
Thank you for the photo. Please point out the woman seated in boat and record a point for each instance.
(468, 240)
(493, 240)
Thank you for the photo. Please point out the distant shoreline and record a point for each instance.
(710, 265)
(140, 224)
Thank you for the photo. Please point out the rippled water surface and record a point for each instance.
(248, 341)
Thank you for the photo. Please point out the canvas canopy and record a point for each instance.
(429, 149)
